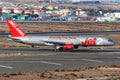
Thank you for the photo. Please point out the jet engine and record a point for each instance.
(69, 46)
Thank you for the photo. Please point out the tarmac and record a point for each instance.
(56, 60)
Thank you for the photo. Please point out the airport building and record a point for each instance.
(6, 10)
(18, 10)
(75, 1)
(28, 11)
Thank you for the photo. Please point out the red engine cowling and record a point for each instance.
(68, 46)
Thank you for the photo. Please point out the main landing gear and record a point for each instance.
(32, 46)
(58, 48)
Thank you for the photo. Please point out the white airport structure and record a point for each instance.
(18, 10)
(6, 10)
(74, 1)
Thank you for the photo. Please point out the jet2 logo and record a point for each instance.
(89, 41)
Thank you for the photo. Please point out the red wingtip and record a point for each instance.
(15, 30)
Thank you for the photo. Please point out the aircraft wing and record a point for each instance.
(55, 43)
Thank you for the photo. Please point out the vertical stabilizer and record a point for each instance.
(15, 30)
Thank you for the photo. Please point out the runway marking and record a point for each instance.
(118, 57)
(51, 63)
(6, 67)
(21, 61)
(91, 60)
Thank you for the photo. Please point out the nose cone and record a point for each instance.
(111, 43)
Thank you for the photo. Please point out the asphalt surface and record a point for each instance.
(56, 60)
(68, 33)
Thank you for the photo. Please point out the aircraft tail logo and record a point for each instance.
(15, 30)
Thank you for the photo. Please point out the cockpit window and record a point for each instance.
(110, 40)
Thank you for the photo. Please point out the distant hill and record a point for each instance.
(96, 6)
(20, 1)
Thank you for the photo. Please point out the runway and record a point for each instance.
(68, 33)
(56, 60)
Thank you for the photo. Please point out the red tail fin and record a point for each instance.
(15, 30)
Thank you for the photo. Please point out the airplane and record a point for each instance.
(61, 43)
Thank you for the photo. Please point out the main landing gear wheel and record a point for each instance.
(32, 46)
(58, 48)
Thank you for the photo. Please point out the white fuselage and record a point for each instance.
(59, 40)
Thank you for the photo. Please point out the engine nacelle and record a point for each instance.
(68, 46)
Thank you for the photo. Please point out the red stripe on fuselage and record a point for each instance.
(62, 38)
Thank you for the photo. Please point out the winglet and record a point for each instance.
(15, 30)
